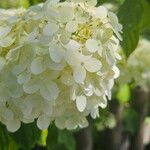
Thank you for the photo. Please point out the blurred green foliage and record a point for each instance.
(131, 120)
(27, 136)
(60, 139)
(134, 16)
(18, 3)
(123, 94)
(6, 141)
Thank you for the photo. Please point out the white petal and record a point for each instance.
(92, 45)
(89, 90)
(73, 57)
(43, 122)
(7, 114)
(72, 26)
(92, 65)
(71, 123)
(67, 79)
(116, 72)
(16, 91)
(55, 66)
(13, 125)
(66, 14)
(118, 35)
(107, 33)
(81, 103)
(97, 92)
(73, 92)
(31, 86)
(2, 63)
(37, 65)
(101, 12)
(113, 18)
(94, 113)
(50, 29)
(49, 91)
(73, 45)
(4, 31)
(103, 102)
(81, 16)
(13, 53)
(64, 36)
(26, 108)
(84, 123)
(56, 53)
(100, 50)
(24, 77)
(60, 123)
(107, 85)
(37, 11)
(79, 74)
(7, 41)
(17, 69)
(91, 2)
(51, 12)
(47, 108)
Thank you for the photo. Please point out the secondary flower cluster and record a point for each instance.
(136, 68)
(57, 63)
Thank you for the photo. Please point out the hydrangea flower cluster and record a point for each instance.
(136, 68)
(57, 63)
(139, 64)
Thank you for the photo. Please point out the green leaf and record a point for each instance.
(60, 139)
(33, 2)
(100, 2)
(134, 16)
(131, 120)
(52, 139)
(24, 3)
(27, 136)
(66, 137)
(124, 94)
(145, 23)
(43, 139)
(6, 142)
(130, 16)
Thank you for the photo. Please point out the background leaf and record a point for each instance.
(60, 139)
(66, 137)
(130, 15)
(134, 16)
(131, 120)
(123, 94)
(6, 142)
(27, 136)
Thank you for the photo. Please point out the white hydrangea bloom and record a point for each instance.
(57, 63)
(136, 68)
